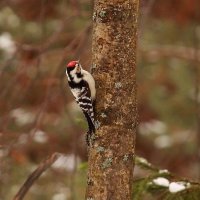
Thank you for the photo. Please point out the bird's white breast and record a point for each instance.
(90, 80)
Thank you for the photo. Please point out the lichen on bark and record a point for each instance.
(110, 171)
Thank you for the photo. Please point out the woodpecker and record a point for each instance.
(82, 86)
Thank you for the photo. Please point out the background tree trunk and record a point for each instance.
(110, 173)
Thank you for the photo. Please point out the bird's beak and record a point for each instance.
(78, 69)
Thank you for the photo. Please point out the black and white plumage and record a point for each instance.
(82, 86)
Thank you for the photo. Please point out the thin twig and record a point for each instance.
(187, 53)
(35, 175)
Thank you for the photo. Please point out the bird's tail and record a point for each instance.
(91, 128)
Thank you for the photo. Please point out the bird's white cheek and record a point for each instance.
(74, 75)
(67, 76)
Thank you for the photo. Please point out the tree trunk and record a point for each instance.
(110, 173)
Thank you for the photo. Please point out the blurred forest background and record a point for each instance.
(38, 115)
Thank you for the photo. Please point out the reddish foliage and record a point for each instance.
(182, 11)
(34, 10)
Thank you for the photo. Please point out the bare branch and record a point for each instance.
(186, 53)
(35, 175)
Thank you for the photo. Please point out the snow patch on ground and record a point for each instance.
(22, 117)
(40, 136)
(163, 141)
(7, 44)
(155, 126)
(59, 196)
(66, 162)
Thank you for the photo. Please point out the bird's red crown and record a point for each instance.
(72, 64)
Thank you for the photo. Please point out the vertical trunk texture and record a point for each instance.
(110, 173)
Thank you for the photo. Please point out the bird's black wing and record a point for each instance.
(85, 102)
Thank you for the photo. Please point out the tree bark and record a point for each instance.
(110, 172)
